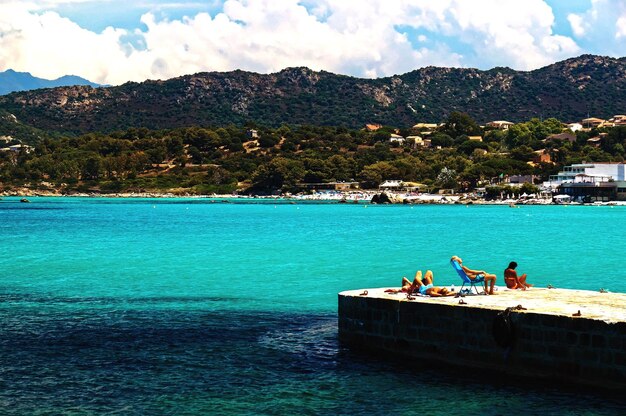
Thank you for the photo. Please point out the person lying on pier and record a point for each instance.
(423, 286)
(490, 279)
(512, 280)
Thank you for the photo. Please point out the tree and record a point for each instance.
(374, 174)
(279, 173)
(469, 146)
(91, 168)
(447, 178)
(458, 124)
(442, 140)
(529, 188)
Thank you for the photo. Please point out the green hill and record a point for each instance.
(568, 90)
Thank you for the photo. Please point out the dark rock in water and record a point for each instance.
(24, 200)
(381, 198)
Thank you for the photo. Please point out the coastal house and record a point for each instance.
(398, 185)
(565, 136)
(518, 180)
(329, 186)
(591, 181)
(499, 125)
(396, 138)
(391, 185)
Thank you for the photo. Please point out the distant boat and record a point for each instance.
(24, 200)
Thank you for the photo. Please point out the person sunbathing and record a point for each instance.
(512, 280)
(423, 286)
(490, 279)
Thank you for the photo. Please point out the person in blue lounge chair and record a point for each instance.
(423, 286)
(490, 279)
(512, 280)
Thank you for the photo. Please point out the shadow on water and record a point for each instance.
(189, 362)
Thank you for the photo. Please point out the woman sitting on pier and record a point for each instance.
(512, 280)
(423, 286)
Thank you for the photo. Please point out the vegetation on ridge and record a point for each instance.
(568, 90)
(198, 160)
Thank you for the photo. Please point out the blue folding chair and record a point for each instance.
(465, 278)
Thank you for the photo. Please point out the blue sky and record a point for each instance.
(114, 41)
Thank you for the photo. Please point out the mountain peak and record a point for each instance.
(13, 81)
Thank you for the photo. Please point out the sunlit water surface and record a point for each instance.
(193, 306)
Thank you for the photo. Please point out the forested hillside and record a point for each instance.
(568, 90)
(262, 160)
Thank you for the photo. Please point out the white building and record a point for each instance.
(594, 181)
(575, 127)
(396, 138)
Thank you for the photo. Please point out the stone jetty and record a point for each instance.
(570, 336)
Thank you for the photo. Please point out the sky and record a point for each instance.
(115, 41)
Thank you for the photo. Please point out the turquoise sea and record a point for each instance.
(196, 306)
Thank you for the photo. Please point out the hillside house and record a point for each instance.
(373, 127)
(594, 141)
(618, 120)
(416, 141)
(565, 136)
(16, 148)
(475, 138)
(592, 122)
(499, 124)
(396, 138)
(252, 134)
(541, 156)
(575, 127)
(425, 129)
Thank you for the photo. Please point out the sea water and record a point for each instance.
(198, 306)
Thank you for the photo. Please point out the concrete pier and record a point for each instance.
(562, 335)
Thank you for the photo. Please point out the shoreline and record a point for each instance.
(337, 197)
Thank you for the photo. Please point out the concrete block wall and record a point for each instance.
(572, 349)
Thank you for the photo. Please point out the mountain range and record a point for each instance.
(11, 81)
(568, 90)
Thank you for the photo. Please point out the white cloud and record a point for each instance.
(603, 24)
(578, 24)
(362, 38)
(621, 27)
(518, 34)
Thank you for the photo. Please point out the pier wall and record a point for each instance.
(562, 348)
